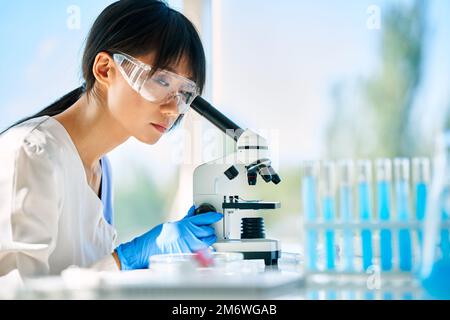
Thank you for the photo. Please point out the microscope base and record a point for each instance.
(269, 250)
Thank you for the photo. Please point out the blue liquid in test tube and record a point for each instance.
(421, 178)
(328, 208)
(435, 262)
(309, 196)
(369, 295)
(346, 211)
(331, 295)
(401, 171)
(365, 209)
(384, 177)
(445, 238)
(388, 296)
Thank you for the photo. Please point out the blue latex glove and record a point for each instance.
(190, 234)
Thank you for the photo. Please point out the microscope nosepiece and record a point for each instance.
(251, 176)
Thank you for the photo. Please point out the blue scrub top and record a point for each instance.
(106, 192)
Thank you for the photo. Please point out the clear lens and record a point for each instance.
(164, 86)
(161, 87)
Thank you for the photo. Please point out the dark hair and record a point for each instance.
(137, 27)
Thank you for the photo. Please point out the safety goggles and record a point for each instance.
(158, 87)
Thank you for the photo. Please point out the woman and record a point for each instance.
(143, 65)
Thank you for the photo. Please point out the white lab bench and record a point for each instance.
(253, 282)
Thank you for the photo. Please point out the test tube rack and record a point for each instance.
(355, 225)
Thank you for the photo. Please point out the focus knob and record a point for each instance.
(204, 208)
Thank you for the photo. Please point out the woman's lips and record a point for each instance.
(159, 127)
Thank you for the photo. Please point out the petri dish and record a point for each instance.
(183, 263)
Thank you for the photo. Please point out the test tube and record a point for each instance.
(328, 183)
(346, 171)
(401, 175)
(309, 197)
(445, 236)
(435, 268)
(445, 230)
(421, 179)
(388, 295)
(384, 180)
(364, 169)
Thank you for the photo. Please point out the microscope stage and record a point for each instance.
(247, 245)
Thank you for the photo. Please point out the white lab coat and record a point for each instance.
(50, 218)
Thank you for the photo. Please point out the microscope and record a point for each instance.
(227, 185)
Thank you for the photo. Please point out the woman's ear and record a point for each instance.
(103, 69)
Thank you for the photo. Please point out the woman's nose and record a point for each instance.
(171, 106)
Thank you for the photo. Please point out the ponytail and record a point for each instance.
(57, 107)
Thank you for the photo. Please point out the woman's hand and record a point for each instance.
(190, 234)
